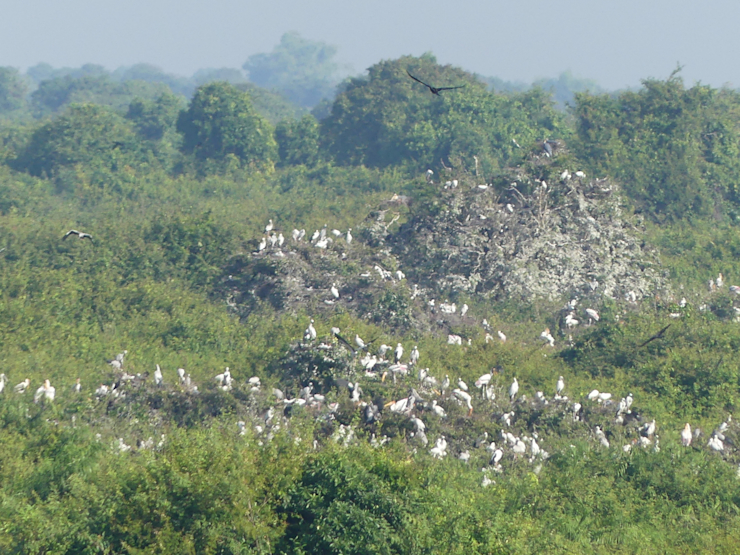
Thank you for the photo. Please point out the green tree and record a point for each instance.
(13, 90)
(302, 69)
(298, 141)
(221, 122)
(675, 150)
(389, 119)
(85, 133)
(153, 118)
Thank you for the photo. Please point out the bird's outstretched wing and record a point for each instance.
(419, 80)
(347, 343)
(658, 335)
(451, 88)
(71, 232)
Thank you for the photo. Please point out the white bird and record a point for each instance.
(602, 437)
(349, 236)
(334, 290)
(440, 448)
(686, 436)
(402, 405)
(498, 454)
(21, 387)
(649, 428)
(3, 381)
(315, 236)
(414, 355)
(310, 333)
(296, 234)
(547, 336)
(79, 234)
(399, 352)
(465, 398)
(565, 176)
(605, 396)
(158, 376)
(560, 386)
(280, 240)
(716, 444)
(439, 411)
(592, 314)
(461, 384)
(501, 336)
(47, 391)
(720, 280)
(336, 232)
(269, 227)
(580, 174)
(593, 395)
(181, 374)
(484, 380)
(263, 244)
(359, 342)
(383, 349)
(254, 381)
(464, 310)
(513, 389)
(445, 383)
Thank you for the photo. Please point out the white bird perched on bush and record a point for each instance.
(359, 342)
(484, 380)
(715, 444)
(439, 411)
(601, 436)
(465, 398)
(414, 355)
(501, 336)
(21, 387)
(592, 314)
(269, 227)
(399, 352)
(560, 386)
(513, 389)
(593, 395)
(686, 436)
(158, 378)
(547, 336)
(334, 290)
(439, 450)
(464, 310)
(348, 237)
(48, 391)
(310, 333)
(720, 280)
(3, 381)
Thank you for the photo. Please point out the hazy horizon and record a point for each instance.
(616, 45)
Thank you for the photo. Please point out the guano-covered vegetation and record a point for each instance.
(224, 349)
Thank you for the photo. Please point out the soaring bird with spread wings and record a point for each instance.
(434, 90)
(79, 234)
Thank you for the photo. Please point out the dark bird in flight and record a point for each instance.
(346, 343)
(78, 233)
(434, 90)
(658, 335)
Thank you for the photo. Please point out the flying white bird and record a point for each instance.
(79, 234)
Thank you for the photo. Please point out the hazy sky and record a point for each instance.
(615, 43)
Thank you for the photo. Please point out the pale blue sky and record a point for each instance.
(615, 43)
